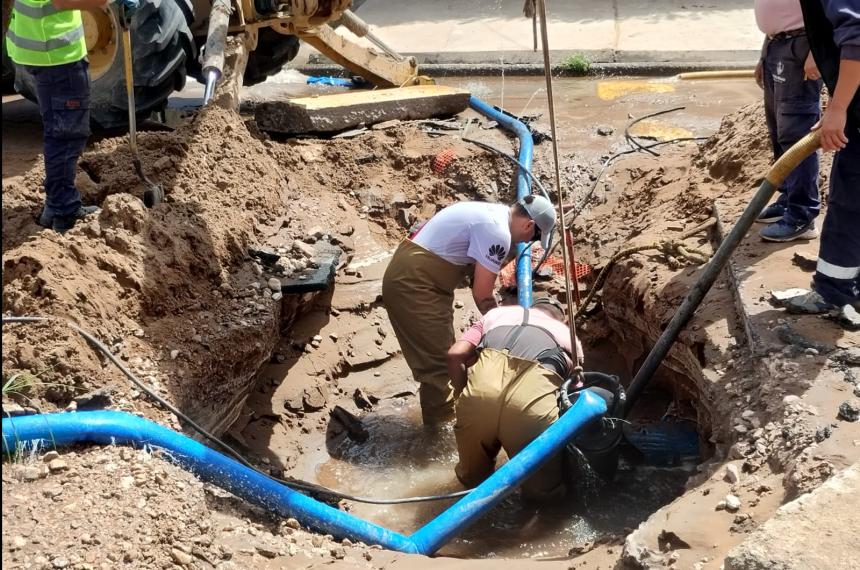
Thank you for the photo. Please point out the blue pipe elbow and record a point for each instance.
(110, 428)
(524, 258)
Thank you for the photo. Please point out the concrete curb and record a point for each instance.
(651, 68)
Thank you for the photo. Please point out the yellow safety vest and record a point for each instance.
(40, 34)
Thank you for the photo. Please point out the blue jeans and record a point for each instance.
(792, 106)
(837, 278)
(63, 92)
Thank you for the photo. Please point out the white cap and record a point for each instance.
(541, 211)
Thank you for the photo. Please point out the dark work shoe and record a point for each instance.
(46, 219)
(781, 231)
(772, 213)
(62, 224)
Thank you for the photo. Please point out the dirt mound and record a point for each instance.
(740, 152)
(172, 289)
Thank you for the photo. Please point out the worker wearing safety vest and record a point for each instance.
(47, 37)
(418, 285)
(517, 359)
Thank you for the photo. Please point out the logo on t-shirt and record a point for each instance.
(497, 251)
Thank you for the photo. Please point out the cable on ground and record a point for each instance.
(149, 391)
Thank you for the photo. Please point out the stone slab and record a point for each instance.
(341, 111)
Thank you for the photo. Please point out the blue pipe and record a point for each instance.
(108, 428)
(524, 256)
(451, 522)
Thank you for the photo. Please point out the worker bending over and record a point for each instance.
(418, 285)
(47, 37)
(833, 27)
(517, 360)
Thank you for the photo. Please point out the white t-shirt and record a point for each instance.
(469, 232)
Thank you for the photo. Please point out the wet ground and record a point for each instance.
(400, 458)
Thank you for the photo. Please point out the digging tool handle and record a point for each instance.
(778, 172)
(129, 86)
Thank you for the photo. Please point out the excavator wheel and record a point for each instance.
(163, 49)
(273, 51)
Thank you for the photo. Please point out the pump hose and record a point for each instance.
(775, 176)
(149, 391)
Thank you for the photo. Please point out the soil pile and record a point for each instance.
(173, 290)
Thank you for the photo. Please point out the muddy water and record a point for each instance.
(400, 458)
(583, 103)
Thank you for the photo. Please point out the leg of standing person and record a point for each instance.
(838, 273)
(795, 109)
(775, 211)
(63, 92)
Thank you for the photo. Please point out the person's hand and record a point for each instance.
(810, 69)
(759, 74)
(832, 127)
(128, 7)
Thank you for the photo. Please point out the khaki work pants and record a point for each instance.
(418, 293)
(507, 403)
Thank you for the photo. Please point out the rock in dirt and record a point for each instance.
(50, 456)
(302, 248)
(58, 465)
(805, 260)
(95, 400)
(849, 411)
(733, 504)
(668, 540)
(848, 356)
(354, 429)
(817, 531)
(314, 398)
(780, 298)
(274, 284)
(180, 557)
(732, 474)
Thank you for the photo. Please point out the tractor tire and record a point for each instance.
(273, 52)
(163, 49)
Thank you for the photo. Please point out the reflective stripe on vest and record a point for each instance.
(63, 40)
(35, 11)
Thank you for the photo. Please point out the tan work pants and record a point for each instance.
(418, 293)
(507, 403)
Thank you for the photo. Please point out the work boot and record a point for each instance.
(62, 224)
(46, 219)
(770, 214)
(781, 231)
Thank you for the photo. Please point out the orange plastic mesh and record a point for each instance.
(508, 275)
(443, 159)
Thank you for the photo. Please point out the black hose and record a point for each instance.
(513, 159)
(632, 140)
(293, 484)
(775, 176)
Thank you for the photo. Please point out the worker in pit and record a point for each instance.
(47, 37)
(418, 285)
(792, 87)
(833, 27)
(510, 366)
